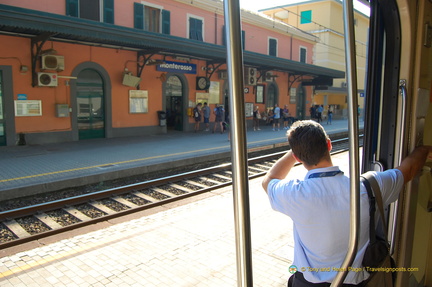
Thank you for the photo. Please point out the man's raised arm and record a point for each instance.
(280, 169)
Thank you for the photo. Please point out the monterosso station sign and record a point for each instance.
(177, 67)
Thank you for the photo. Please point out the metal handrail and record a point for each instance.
(395, 205)
(238, 143)
(351, 67)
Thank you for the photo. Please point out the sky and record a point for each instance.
(255, 5)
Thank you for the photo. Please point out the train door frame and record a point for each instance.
(8, 106)
(184, 105)
(107, 95)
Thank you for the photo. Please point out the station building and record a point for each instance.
(78, 69)
(324, 19)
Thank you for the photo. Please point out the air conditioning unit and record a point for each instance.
(47, 79)
(52, 62)
(250, 76)
(223, 75)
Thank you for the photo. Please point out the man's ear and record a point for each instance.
(296, 158)
(329, 145)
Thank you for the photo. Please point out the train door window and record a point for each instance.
(174, 103)
(196, 28)
(90, 105)
(2, 123)
(97, 10)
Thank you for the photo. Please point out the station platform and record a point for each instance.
(186, 244)
(50, 167)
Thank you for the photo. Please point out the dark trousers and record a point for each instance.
(297, 280)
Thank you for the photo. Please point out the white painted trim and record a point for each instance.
(152, 5)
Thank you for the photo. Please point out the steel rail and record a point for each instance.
(76, 200)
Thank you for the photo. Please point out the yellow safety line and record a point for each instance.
(105, 164)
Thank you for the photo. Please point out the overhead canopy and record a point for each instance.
(22, 22)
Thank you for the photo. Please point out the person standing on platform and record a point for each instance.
(276, 117)
(197, 116)
(206, 115)
(329, 114)
(220, 115)
(319, 112)
(319, 204)
(286, 116)
(256, 119)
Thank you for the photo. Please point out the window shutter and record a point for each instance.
(243, 39)
(272, 47)
(108, 13)
(303, 55)
(199, 31)
(138, 16)
(72, 8)
(223, 35)
(166, 22)
(306, 17)
(195, 29)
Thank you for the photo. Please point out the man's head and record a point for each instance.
(309, 142)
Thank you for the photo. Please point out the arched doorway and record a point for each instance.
(90, 102)
(272, 97)
(174, 103)
(301, 103)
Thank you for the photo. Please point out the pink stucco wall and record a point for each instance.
(256, 37)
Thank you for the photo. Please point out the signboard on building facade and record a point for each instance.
(177, 67)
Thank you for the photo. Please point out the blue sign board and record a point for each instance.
(22, 97)
(361, 95)
(177, 67)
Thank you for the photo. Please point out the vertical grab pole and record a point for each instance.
(238, 142)
(351, 71)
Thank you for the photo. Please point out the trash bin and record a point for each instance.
(162, 118)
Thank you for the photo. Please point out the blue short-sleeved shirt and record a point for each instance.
(320, 210)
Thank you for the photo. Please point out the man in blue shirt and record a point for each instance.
(319, 205)
(276, 118)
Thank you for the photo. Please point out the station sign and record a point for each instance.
(177, 67)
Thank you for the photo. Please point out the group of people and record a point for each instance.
(317, 112)
(274, 117)
(201, 112)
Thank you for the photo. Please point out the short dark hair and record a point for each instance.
(308, 141)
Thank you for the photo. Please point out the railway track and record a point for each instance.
(34, 222)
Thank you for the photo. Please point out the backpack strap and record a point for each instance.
(373, 188)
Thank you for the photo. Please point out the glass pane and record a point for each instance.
(174, 87)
